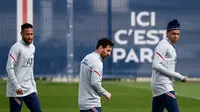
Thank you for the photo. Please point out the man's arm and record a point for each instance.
(11, 62)
(159, 61)
(33, 79)
(34, 83)
(96, 80)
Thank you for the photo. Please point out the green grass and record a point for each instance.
(126, 97)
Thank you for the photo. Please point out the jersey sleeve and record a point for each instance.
(33, 79)
(11, 63)
(96, 79)
(159, 61)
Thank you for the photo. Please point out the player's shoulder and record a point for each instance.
(93, 58)
(87, 57)
(16, 45)
(162, 44)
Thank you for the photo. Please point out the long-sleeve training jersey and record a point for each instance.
(163, 68)
(90, 79)
(20, 69)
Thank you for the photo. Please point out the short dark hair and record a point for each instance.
(104, 42)
(26, 25)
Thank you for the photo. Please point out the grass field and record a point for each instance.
(126, 97)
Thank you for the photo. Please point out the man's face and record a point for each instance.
(173, 35)
(27, 35)
(105, 52)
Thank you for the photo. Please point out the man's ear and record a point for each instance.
(167, 33)
(100, 47)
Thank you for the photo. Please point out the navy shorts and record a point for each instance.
(31, 101)
(95, 109)
(166, 100)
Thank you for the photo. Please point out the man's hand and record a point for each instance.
(184, 79)
(108, 96)
(19, 91)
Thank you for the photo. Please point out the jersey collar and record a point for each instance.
(171, 43)
(96, 54)
(22, 41)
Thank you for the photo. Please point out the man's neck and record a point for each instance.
(170, 41)
(25, 43)
(98, 52)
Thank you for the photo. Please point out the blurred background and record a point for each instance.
(67, 30)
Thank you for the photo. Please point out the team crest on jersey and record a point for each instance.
(30, 61)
